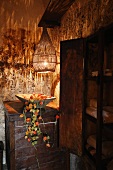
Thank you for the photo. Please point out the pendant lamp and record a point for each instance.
(44, 59)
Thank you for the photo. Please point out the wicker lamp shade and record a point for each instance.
(44, 59)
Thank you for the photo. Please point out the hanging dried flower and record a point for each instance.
(33, 119)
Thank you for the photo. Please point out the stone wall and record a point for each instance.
(82, 20)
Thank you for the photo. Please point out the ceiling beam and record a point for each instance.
(54, 12)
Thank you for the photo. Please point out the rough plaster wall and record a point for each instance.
(20, 14)
(16, 83)
(81, 20)
(23, 15)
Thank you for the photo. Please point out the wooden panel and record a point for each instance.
(71, 94)
(54, 12)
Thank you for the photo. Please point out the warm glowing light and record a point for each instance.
(44, 58)
(45, 63)
(30, 74)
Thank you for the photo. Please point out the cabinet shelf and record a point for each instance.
(92, 78)
(91, 118)
(104, 161)
(109, 127)
(96, 78)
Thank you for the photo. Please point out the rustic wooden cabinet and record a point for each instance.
(20, 154)
(98, 98)
(86, 97)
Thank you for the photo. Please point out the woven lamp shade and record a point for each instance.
(44, 59)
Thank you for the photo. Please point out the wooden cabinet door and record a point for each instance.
(71, 85)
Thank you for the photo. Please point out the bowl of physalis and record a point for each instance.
(41, 100)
